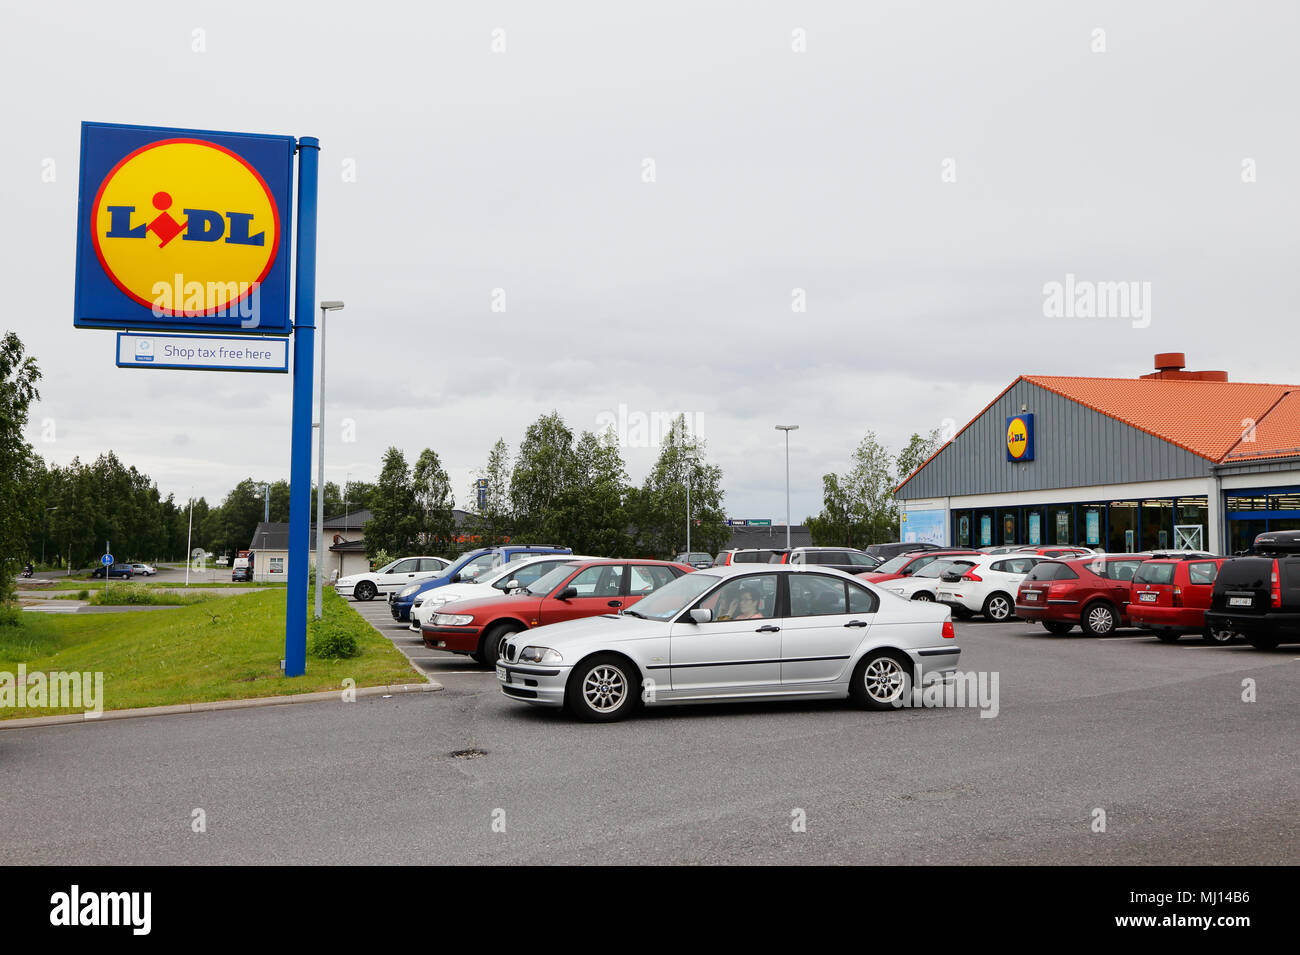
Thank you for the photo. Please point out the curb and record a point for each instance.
(319, 696)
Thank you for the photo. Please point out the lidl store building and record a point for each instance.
(1173, 459)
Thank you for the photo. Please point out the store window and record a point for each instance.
(985, 528)
(1122, 527)
(1191, 530)
(1035, 526)
(962, 534)
(1157, 525)
(1092, 517)
(1060, 524)
(1008, 523)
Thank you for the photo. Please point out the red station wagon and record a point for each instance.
(583, 588)
(1091, 592)
(1170, 597)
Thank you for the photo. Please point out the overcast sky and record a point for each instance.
(775, 169)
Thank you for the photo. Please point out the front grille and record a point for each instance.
(510, 653)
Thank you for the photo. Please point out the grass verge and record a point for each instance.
(226, 649)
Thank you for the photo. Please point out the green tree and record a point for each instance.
(394, 524)
(18, 377)
(591, 512)
(541, 479)
(858, 507)
(658, 509)
(434, 498)
(914, 454)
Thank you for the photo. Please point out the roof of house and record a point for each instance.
(746, 537)
(272, 536)
(350, 520)
(1221, 421)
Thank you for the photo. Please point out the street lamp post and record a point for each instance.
(320, 464)
(787, 428)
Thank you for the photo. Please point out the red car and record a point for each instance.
(1054, 550)
(581, 588)
(1170, 597)
(1091, 592)
(905, 565)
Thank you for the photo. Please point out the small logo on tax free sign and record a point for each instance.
(103, 909)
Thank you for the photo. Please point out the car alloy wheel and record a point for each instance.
(997, 608)
(924, 597)
(1218, 636)
(603, 688)
(880, 682)
(1099, 620)
(365, 591)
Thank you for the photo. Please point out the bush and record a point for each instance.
(83, 594)
(127, 595)
(331, 640)
(10, 615)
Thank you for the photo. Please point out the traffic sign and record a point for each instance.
(106, 560)
(203, 352)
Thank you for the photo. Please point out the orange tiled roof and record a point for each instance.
(1205, 417)
(1276, 435)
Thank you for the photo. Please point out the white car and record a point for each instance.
(924, 584)
(988, 585)
(486, 584)
(143, 570)
(727, 634)
(389, 578)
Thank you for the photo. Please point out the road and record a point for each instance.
(1156, 735)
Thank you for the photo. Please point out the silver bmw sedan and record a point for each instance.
(744, 632)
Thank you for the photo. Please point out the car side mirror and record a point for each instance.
(699, 615)
(513, 585)
(566, 593)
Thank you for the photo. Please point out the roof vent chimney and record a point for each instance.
(1170, 365)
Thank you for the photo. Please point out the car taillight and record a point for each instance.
(1275, 587)
(948, 632)
(1057, 589)
(1178, 596)
(971, 575)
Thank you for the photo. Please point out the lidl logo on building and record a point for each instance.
(1020, 438)
(183, 230)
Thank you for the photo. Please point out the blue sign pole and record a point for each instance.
(304, 358)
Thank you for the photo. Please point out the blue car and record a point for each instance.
(469, 566)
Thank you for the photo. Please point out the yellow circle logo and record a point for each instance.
(1017, 438)
(186, 227)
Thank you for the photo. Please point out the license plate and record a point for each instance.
(1240, 601)
(1147, 598)
(1031, 595)
(501, 674)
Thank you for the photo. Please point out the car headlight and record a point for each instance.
(433, 603)
(453, 619)
(540, 655)
(408, 591)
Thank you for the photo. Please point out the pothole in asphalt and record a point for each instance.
(471, 753)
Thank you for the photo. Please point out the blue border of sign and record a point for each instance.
(98, 303)
(1028, 418)
(242, 339)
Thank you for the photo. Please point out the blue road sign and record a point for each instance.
(106, 560)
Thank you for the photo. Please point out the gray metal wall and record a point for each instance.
(1074, 446)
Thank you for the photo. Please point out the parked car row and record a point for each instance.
(847, 559)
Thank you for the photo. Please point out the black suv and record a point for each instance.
(1258, 596)
(841, 558)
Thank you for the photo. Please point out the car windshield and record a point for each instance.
(894, 564)
(387, 567)
(547, 582)
(671, 599)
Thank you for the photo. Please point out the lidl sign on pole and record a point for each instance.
(184, 230)
(202, 352)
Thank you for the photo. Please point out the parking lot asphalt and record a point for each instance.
(1157, 737)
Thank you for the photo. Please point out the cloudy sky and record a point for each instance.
(919, 170)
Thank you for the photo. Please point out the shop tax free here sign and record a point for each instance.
(183, 230)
